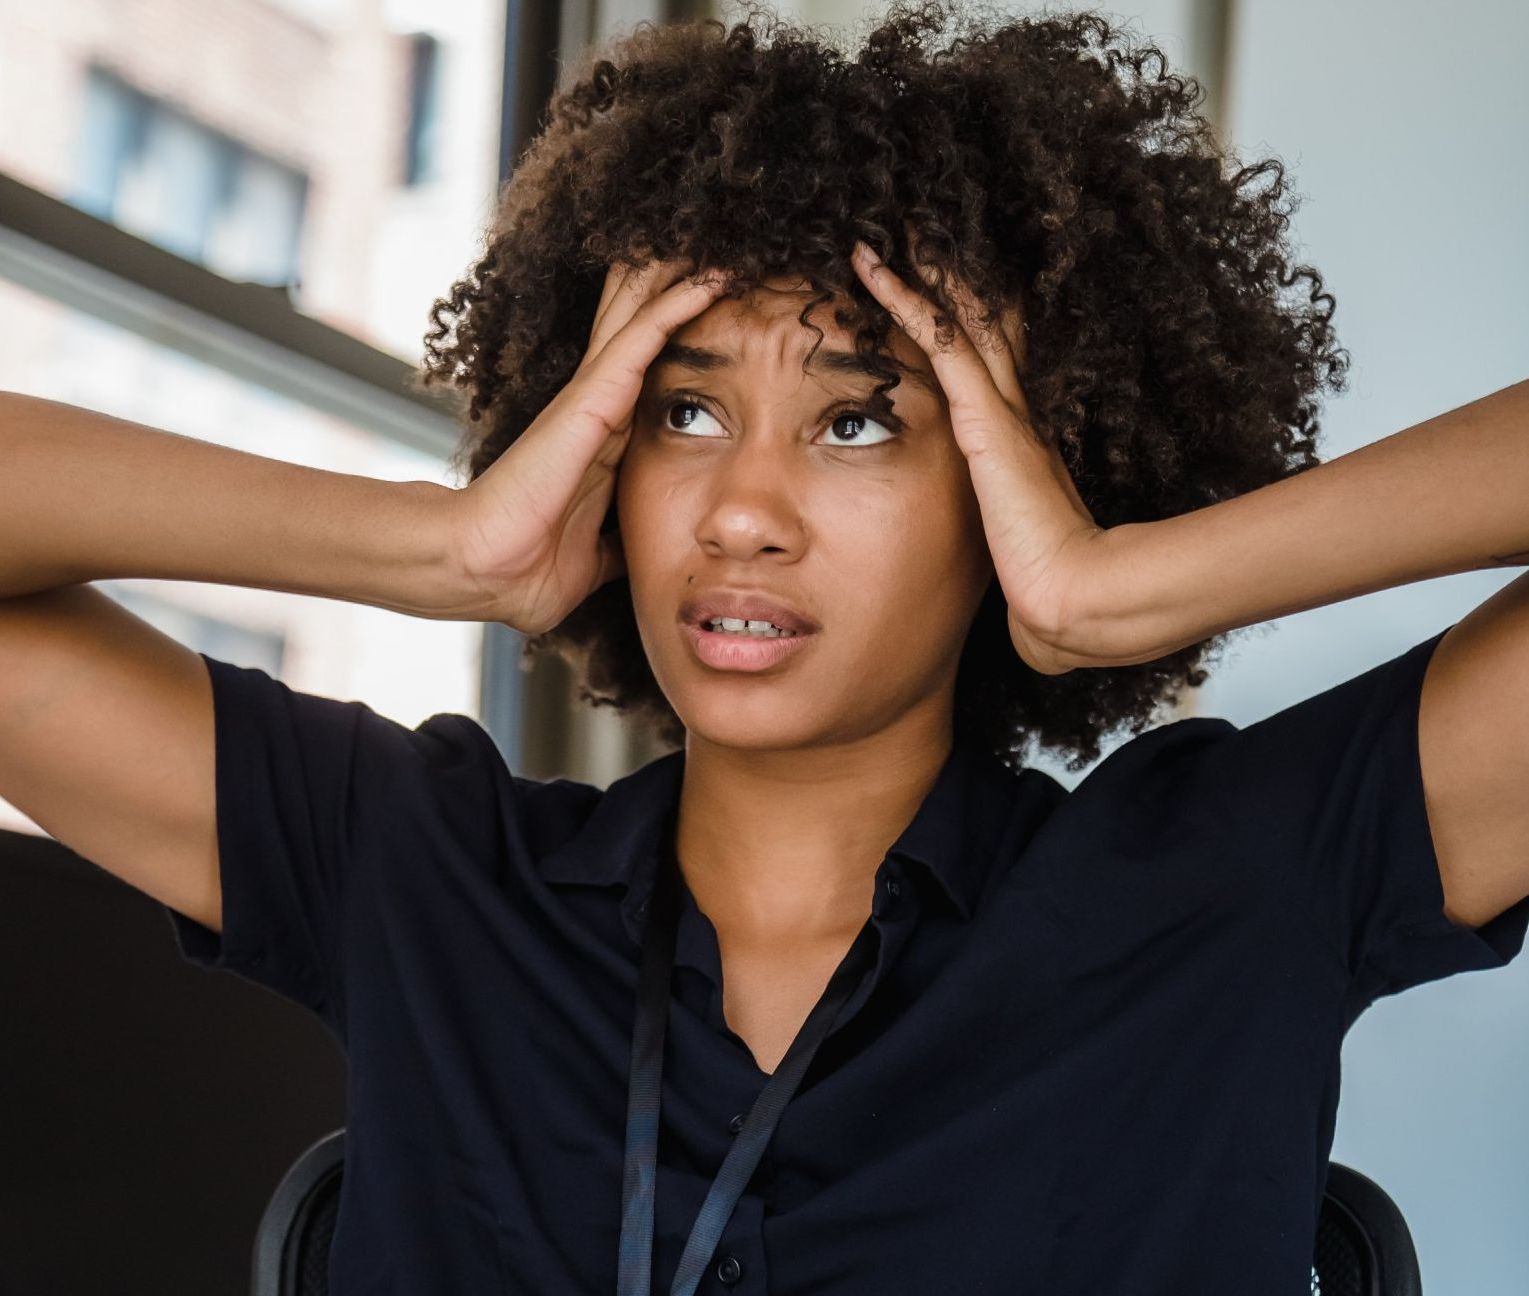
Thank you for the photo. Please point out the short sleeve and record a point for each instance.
(1325, 799)
(305, 788)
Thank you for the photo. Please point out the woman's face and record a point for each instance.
(745, 474)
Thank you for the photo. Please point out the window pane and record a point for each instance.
(404, 667)
(348, 147)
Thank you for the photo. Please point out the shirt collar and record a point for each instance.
(954, 834)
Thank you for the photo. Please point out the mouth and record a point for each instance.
(743, 649)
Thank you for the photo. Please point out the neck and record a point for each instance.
(783, 845)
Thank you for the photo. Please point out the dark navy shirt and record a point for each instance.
(1099, 1055)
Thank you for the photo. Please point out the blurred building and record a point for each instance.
(342, 154)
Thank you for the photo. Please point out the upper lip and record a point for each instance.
(745, 606)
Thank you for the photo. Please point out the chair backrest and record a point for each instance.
(291, 1255)
(1364, 1247)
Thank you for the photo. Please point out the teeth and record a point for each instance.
(737, 625)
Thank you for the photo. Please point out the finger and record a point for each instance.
(991, 341)
(1006, 479)
(625, 290)
(963, 374)
(613, 378)
(1016, 331)
(1011, 325)
(587, 425)
(1004, 355)
(615, 275)
(1008, 355)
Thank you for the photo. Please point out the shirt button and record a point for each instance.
(736, 1123)
(893, 886)
(729, 1270)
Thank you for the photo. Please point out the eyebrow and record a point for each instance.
(704, 360)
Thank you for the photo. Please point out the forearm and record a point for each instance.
(1450, 494)
(87, 497)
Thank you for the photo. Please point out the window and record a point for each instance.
(406, 667)
(422, 139)
(206, 197)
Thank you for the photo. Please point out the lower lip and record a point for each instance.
(736, 652)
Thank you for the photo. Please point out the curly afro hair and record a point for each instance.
(1050, 163)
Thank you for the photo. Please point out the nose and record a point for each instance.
(753, 501)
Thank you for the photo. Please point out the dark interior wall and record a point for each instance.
(148, 1107)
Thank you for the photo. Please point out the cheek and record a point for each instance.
(962, 538)
(936, 557)
(633, 499)
(655, 533)
(903, 554)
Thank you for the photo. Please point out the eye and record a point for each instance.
(857, 419)
(694, 407)
(846, 430)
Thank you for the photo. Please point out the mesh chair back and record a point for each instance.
(1364, 1247)
(292, 1242)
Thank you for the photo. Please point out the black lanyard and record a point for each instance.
(639, 1181)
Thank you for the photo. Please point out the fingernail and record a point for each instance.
(866, 255)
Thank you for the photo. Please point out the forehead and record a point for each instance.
(765, 327)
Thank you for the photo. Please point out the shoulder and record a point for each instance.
(1137, 781)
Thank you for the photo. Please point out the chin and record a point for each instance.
(724, 722)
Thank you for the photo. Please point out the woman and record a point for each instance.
(860, 423)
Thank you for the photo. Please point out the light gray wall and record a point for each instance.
(1405, 126)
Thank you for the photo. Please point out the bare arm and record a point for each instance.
(106, 724)
(106, 741)
(1449, 494)
(1443, 496)
(84, 497)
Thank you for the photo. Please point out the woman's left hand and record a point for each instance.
(1037, 526)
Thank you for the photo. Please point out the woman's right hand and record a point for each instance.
(527, 529)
